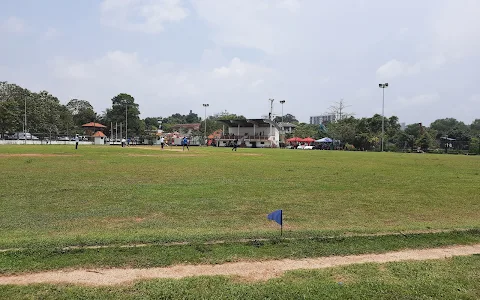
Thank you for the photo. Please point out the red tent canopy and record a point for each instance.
(294, 140)
(307, 140)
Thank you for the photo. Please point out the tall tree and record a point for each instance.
(288, 118)
(452, 128)
(124, 110)
(82, 112)
(475, 127)
(339, 110)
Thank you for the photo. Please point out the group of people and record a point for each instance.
(184, 143)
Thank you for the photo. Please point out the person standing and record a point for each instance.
(185, 143)
(124, 141)
(76, 141)
(162, 142)
(235, 145)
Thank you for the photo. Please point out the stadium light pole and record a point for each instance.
(126, 122)
(25, 123)
(383, 86)
(282, 102)
(205, 105)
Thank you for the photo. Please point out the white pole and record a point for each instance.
(126, 122)
(383, 116)
(25, 123)
(116, 131)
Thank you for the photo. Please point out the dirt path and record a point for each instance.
(261, 270)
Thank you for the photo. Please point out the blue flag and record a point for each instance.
(276, 216)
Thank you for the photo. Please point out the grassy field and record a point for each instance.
(455, 278)
(102, 195)
(179, 202)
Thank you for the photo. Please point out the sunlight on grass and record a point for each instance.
(59, 196)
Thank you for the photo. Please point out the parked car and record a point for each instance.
(22, 136)
(305, 147)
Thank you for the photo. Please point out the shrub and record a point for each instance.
(350, 147)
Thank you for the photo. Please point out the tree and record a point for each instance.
(475, 128)
(452, 128)
(288, 118)
(151, 123)
(12, 104)
(125, 104)
(82, 112)
(338, 109)
(343, 130)
(304, 130)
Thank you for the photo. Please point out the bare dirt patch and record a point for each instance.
(158, 148)
(34, 155)
(248, 154)
(247, 270)
(164, 156)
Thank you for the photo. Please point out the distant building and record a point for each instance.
(402, 126)
(317, 120)
(252, 133)
(187, 128)
(287, 127)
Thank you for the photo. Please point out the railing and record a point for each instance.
(244, 137)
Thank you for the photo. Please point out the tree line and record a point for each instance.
(47, 116)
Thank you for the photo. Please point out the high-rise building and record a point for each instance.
(323, 119)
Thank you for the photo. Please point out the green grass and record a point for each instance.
(107, 195)
(39, 259)
(455, 278)
(114, 196)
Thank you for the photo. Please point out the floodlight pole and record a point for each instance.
(282, 102)
(25, 123)
(205, 105)
(383, 86)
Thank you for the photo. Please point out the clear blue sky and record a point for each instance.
(174, 55)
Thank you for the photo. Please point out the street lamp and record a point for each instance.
(383, 86)
(282, 102)
(206, 105)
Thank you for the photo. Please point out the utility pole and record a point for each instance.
(25, 123)
(126, 121)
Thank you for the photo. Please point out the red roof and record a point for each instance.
(99, 134)
(92, 124)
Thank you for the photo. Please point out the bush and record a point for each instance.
(350, 147)
(392, 148)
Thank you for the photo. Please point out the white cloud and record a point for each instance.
(395, 68)
(14, 25)
(118, 71)
(148, 16)
(418, 100)
(256, 24)
(238, 69)
(456, 28)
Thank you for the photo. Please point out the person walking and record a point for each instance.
(235, 145)
(162, 142)
(76, 141)
(185, 143)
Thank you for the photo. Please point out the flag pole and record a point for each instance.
(281, 224)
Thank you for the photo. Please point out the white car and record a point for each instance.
(23, 136)
(305, 147)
